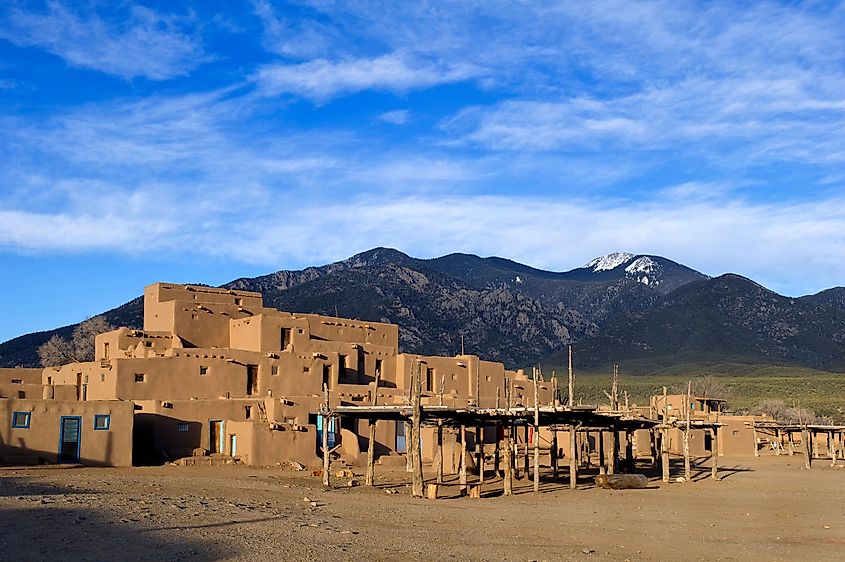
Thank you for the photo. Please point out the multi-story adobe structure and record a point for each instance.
(215, 371)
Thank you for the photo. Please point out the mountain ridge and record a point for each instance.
(521, 315)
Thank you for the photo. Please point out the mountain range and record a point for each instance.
(642, 311)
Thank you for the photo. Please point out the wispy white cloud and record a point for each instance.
(395, 117)
(322, 79)
(143, 44)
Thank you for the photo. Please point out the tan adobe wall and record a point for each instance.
(39, 443)
(20, 375)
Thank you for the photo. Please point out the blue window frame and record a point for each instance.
(102, 421)
(21, 420)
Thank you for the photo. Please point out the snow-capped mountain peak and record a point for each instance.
(643, 267)
(610, 261)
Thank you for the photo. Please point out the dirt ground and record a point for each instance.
(764, 509)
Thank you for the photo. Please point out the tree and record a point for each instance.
(59, 351)
(705, 387)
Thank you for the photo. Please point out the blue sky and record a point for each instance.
(204, 141)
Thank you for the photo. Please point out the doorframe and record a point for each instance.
(78, 437)
(221, 442)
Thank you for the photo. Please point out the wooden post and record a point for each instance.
(525, 455)
(508, 480)
(571, 400)
(536, 436)
(602, 462)
(371, 448)
(498, 433)
(573, 458)
(652, 447)
(687, 404)
(613, 456)
(464, 458)
(831, 447)
(813, 447)
(416, 415)
(790, 442)
(326, 422)
(808, 457)
(439, 437)
(714, 445)
(553, 455)
(629, 449)
(779, 439)
(754, 431)
(664, 437)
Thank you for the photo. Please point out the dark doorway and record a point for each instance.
(69, 439)
(251, 380)
(215, 436)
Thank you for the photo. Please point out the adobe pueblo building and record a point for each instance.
(216, 373)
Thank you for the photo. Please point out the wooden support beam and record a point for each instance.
(813, 447)
(371, 447)
(779, 439)
(687, 404)
(571, 400)
(416, 437)
(613, 456)
(507, 433)
(714, 445)
(325, 447)
(808, 447)
(508, 461)
(629, 449)
(600, 447)
(831, 447)
(573, 458)
(664, 437)
(790, 442)
(479, 452)
(464, 459)
(439, 459)
(553, 453)
(756, 443)
(536, 435)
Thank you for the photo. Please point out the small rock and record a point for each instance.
(588, 551)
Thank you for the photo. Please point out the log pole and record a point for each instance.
(464, 459)
(536, 435)
(714, 445)
(573, 458)
(326, 423)
(687, 404)
(416, 438)
(371, 448)
(664, 438)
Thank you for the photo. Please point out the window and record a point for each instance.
(140, 377)
(17, 381)
(203, 371)
(248, 412)
(378, 366)
(20, 420)
(239, 301)
(148, 343)
(102, 377)
(285, 338)
(102, 421)
(21, 394)
(182, 428)
(106, 351)
(274, 369)
(306, 370)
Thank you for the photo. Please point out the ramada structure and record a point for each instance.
(215, 376)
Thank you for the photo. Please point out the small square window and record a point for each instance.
(274, 370)
(102, 377)
(239, 301)
(140, 377)
(182, 428)
(203, 370)
(102, 421)
(21, 420)
(306, 370)
(17, 381)
(148, 343)
(21, 394)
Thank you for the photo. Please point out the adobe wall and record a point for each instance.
(39, 443)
